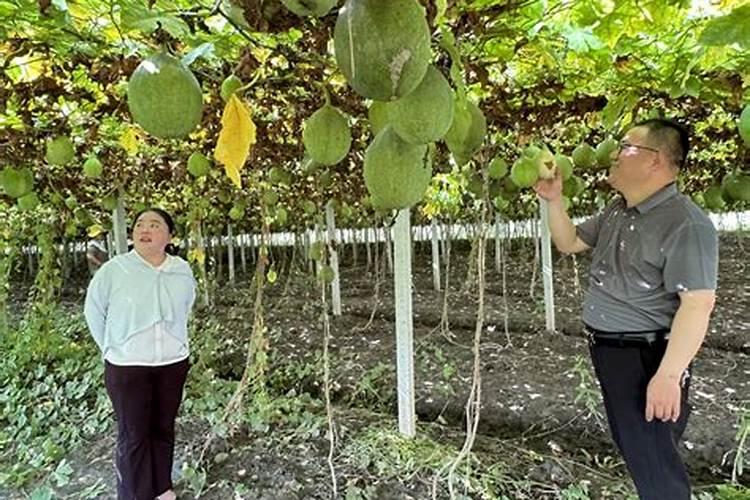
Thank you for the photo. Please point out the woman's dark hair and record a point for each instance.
(170, 248)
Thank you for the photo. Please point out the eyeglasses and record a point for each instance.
(626, 145)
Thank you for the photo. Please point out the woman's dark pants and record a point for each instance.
(146, 400)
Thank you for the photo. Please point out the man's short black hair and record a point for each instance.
(670, 135)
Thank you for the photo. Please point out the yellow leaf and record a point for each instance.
(235, 139)
(261, 54)
(26, 68)
(129, 140)
(111, 33)
(81, 16)
(197, 255)
(271, 276)
(234, 175)
(94, 230)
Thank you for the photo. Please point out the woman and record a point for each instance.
(137, 308)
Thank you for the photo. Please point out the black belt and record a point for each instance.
(625, 339)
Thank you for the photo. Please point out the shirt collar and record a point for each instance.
(657, 198)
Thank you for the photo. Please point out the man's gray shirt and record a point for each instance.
(643, 256)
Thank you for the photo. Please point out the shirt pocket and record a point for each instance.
(644, 267)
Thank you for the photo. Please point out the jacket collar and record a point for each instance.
(163, 267)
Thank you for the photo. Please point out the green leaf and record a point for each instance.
(440, 6)
(692, 86)
(138, 17)
(7, 8)
(616, 108)
(62, 473)
(675, 90)
(60, 5)
(587, 13)
(502, 49)
(96, 490)
(42, 493)
(533, 11)
(534, 30)
(201, 50)
(582, 40)
(448, 42)
(272, 276)
(235, 13)
(729, 29)
(612, 111)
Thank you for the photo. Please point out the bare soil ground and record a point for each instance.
(542, 426)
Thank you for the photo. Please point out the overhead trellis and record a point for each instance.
(562, 72)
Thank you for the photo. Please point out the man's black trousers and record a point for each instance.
(649, 448)
(146, 400)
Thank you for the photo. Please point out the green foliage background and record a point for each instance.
(561, 72)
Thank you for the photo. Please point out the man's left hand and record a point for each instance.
(663, 398)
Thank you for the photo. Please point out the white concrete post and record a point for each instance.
(120, 227)
(367, 247)
(498, 248)
(435, 237)
(549, 297)
(230, 253)
(333, 259)
(243, 257)
(389, 249)
(404, 326)
(308, 245)
(110, 245)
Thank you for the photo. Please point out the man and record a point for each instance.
(651, 291)
(96, 255)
